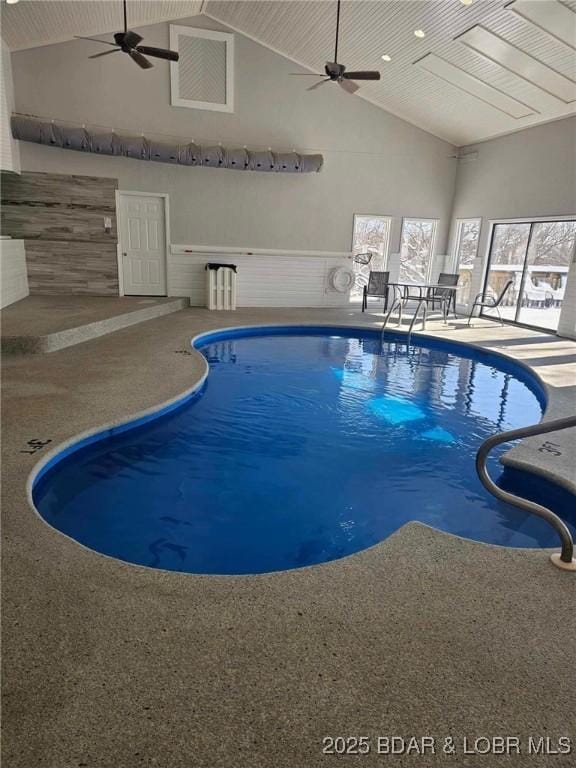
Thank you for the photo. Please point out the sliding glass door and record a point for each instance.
(506, 262)
(547, 263)
(536, 256)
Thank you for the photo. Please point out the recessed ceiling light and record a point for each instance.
(466, 2)
(386, 57)
(419, 33)
(11, 2)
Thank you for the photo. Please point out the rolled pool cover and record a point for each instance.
(138, 147)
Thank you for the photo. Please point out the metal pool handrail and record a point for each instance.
(566, 558)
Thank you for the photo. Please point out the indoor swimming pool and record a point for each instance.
(303, 445)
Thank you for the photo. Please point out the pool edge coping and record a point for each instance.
(126, 423)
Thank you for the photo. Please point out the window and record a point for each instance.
(465, 251)
(203, 78)
(536, 255)
(371, 234)
(416, 249)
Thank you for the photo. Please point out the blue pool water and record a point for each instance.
(303, 447)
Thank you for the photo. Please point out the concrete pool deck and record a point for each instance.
(39, 324)
(113, 665)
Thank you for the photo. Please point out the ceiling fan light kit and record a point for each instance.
(129, 42)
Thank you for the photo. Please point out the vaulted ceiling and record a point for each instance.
(31, 23)
(482, 69)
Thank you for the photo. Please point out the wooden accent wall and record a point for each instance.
(61, 220)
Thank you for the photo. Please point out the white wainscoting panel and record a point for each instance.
(13, 274)
(265, 279)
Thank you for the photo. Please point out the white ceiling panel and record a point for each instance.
(303, 30)
(502, 52)
(477, 104)
(31, 23)
(474, 86)
(550, 15)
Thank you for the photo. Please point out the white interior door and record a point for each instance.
(143, 244)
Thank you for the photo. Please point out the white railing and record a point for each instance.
(225, 250)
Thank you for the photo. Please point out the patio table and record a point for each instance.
(422, 298)
(420, 287)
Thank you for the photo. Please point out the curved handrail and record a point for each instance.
(567, 554)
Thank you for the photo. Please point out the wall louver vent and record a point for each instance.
(48, 133)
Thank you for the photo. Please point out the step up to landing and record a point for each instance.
(40, 324)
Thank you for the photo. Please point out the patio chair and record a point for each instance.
(491, 302)
(445, 278)
(377, 287)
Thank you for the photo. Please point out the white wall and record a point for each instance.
(527, 174)
(374, 162)
(9, 151)
(13, 274)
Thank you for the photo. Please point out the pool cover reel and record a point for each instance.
(83, 139)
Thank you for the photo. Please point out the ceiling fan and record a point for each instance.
(336, 73)
(128, 42)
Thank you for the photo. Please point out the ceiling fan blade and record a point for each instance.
(316, 85)
(159, 53)
(94, 40)
(139, 59)
(348, 86)
(306, 74)
(131, 39)
(105, 53)
(361, 75)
